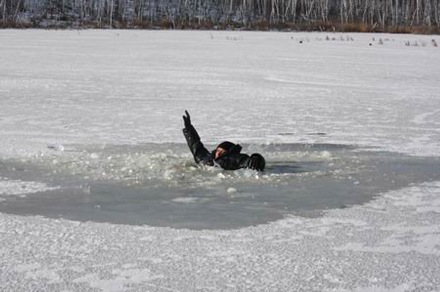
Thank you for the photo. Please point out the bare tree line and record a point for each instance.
(375, 14)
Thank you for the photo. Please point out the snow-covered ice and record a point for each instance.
(105, 107)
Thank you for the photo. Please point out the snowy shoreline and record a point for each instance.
(60, 88)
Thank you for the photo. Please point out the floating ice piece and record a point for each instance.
(94, 155)
(56, 147)
(231, 190)
(18, 187)
(185, 200)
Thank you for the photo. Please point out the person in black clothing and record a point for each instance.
(227, 154)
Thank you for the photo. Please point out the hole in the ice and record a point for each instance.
(159, 184)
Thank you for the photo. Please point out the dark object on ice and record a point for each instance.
(226, 155)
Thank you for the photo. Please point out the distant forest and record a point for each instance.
(421, 16)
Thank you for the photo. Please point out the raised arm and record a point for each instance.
(200, 153)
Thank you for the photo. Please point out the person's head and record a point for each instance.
(226, 147)
(219, 152)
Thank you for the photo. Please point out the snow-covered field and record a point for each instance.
(65, 92)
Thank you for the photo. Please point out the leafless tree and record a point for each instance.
(374, 13)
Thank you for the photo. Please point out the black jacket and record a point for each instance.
(232, 160)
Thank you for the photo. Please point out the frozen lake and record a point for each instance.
(99, 191)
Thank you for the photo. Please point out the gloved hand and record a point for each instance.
(256, 162)
(187, 120)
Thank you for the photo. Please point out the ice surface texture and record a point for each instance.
(131, 87)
